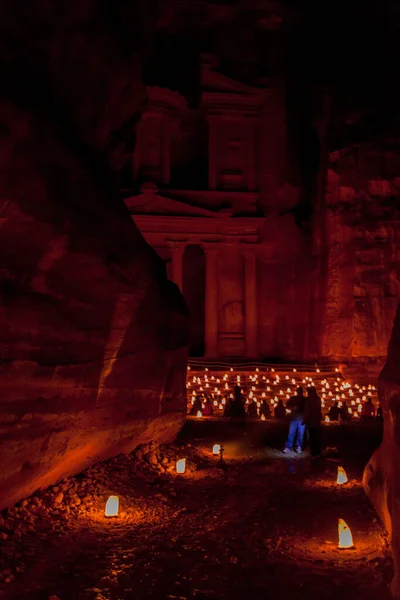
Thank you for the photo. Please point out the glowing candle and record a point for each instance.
(199, 413)
(262, 417)
(327, 419)
(181, 465)
(216, 449)
(341, 476)
(112, 507)
(345, 537)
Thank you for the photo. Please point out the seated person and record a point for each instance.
(334, 412)
(265, 409)
(368, 410)
(280, 410)
(344, 412)
(252, 409)
(197, 406)
(208, 408)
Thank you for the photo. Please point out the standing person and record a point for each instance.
(296, 404)
(228, 406)
(312, 419)
(238, 410)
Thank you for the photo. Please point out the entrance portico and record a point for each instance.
(230, 246)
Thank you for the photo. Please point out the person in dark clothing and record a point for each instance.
(237, 392)
(296, 404)
(252, 409)
(265, 409)
(344, 412)
(238, 410)
(208, 408)
(280, 410)
(368, 411)
(197, 406)
(312, 419)
(334, 412)
(228, 406)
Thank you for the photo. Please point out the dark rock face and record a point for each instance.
(93, 336)
(382, 474)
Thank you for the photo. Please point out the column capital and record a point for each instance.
(248, 251)
(210, 247)
(176, 245)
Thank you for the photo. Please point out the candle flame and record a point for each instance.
(181, 465)
(112, 507)
(341, 476)
(216, 449)
(345, 537)
(199, 413)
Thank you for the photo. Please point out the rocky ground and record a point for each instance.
(265, 525)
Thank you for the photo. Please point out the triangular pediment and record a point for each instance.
(215, 82)
(151, 203)
(212, 81)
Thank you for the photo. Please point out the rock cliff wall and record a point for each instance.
(93, 335)
(360, 258)
(382, 474)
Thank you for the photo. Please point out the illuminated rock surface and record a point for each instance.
(382, 474)
(93, 334)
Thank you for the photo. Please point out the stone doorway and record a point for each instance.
(194, 282)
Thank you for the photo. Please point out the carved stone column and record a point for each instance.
(166, 152)
(251, 172)
(212, 154)
(177, 250)
(211, 302)
(251, 312)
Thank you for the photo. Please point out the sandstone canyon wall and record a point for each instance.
(93, 334)
(360, 258)
(382, 474)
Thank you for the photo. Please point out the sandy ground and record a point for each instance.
(264, 527)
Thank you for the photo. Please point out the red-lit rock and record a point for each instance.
(94, 336)
(382, 474)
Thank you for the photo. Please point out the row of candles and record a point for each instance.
(345, 538)
(272, 389)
